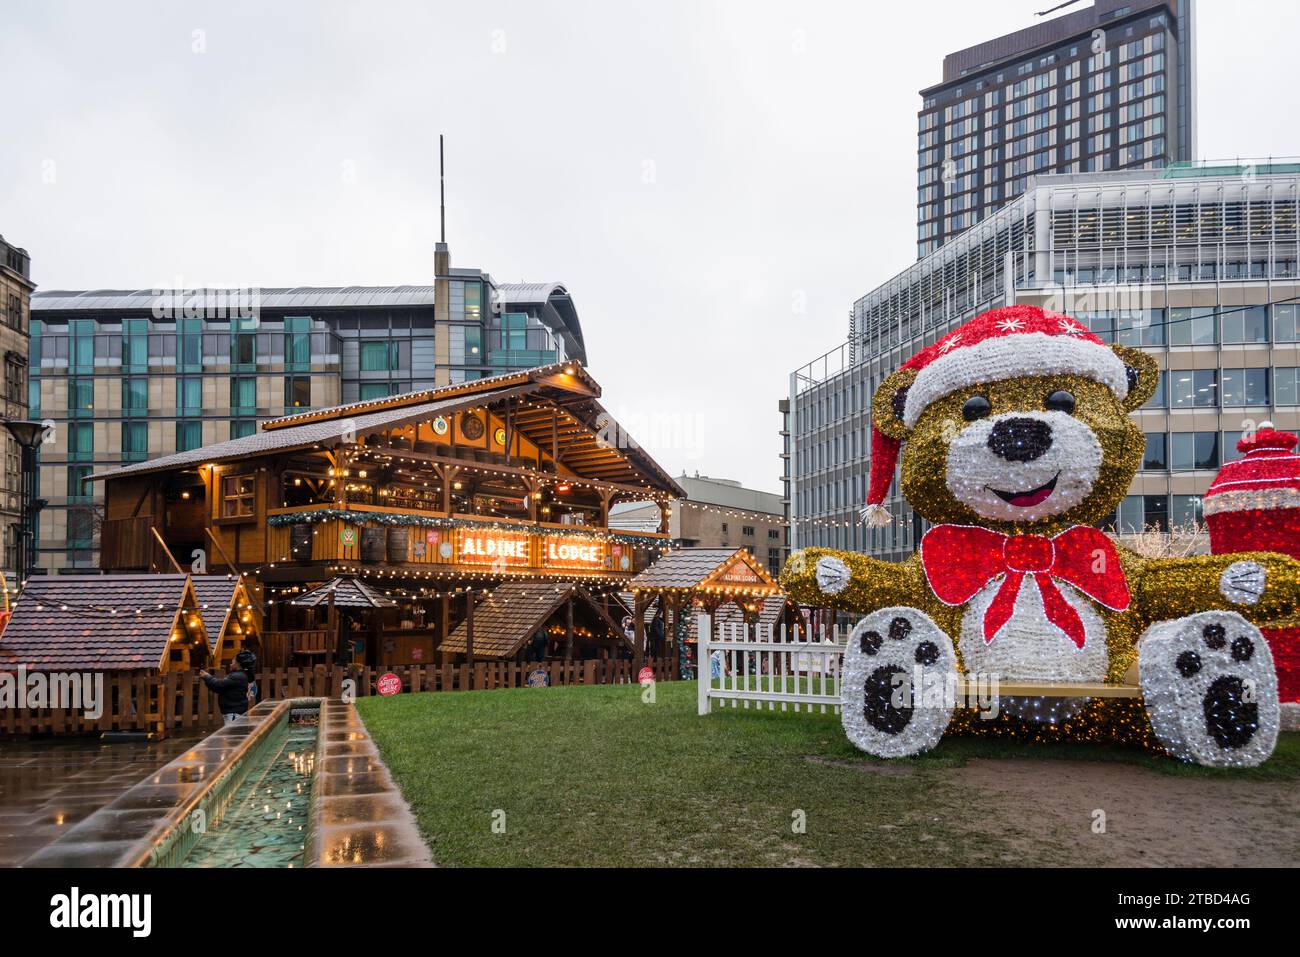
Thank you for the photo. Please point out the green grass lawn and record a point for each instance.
(594, 776)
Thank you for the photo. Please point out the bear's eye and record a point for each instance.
(1060, 401)
(976, 407)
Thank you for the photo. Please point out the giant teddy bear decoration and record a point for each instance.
(1016, 441)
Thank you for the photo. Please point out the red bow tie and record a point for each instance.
(959, 560)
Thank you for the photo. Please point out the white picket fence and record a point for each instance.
(767, 666)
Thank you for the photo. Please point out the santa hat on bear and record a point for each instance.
(996, 345)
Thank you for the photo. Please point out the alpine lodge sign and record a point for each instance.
(560, 551)
(490, 547)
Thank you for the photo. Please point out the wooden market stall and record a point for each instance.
(121, 631)
(702, 579)
(337, 640)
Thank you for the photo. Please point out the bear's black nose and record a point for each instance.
(1020, 440)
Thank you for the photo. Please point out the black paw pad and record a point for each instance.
(1242, 648)
(927, 653)
(1189, 663)
(1215, 636)
(1229, 718)
(899, 629)
(878, 701)
(870, 642)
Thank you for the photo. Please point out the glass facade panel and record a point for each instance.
(189, 435)
(1155, 457)
(1194, 388)
(1192, 327)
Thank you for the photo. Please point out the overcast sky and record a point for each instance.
(715, 182)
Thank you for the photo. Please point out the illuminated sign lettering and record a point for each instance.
(485, 548)
(563, 552)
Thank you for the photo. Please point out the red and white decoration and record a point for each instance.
(1253, 505)
(1001, 344)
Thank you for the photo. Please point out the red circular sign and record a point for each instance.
(646, 676)
(389, 684)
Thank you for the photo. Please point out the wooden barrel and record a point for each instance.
(397, 538)
(373, 541)
(300, 541)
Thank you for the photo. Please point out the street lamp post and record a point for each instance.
(29, 434)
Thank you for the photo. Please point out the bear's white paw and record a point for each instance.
(1210, 689)
(1242, 583)
(893, 688)
(832, 575)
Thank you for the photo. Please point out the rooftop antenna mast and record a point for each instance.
(442, 195)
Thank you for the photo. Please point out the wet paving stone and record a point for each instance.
(54, 783)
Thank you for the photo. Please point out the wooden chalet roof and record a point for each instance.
(511, 615)
(216, 595)
(323, 432)
(552, 406)
(86, 635)
(348, 593)
(704, 568)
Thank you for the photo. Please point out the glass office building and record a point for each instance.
(131, 375)
(1196, 263)
(1109, 87)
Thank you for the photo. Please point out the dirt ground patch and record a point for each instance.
(1044, 811)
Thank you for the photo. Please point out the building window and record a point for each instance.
(378, 356)
(1286, 386)
(189, 395)
(78, 491)
(81, 397)
(189, 345)
(1191, 327)
(1155, 459)
(1186, 511)
(1190, 388)
(1194, 450)
(82, 346)
(240, 428)
(1245, 387)
(135, 441)
(297, 392)
(1246, 325)
(747, 530)
(243, 395)
(375, 390)
(297, 343)
(16, 380)
(135, 396)
(81, 441)
(189, 435)
(243, 345)
(135, 345)
(1159, 398)
(1284, 322)
(238, 499)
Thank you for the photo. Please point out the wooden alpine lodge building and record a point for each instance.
(492, 491)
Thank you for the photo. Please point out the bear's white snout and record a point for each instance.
(1023, 466)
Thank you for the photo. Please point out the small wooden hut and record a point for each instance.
(704, 579)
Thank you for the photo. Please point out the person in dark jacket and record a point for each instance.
(539, 645)
(231, 691)
(657, 637)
